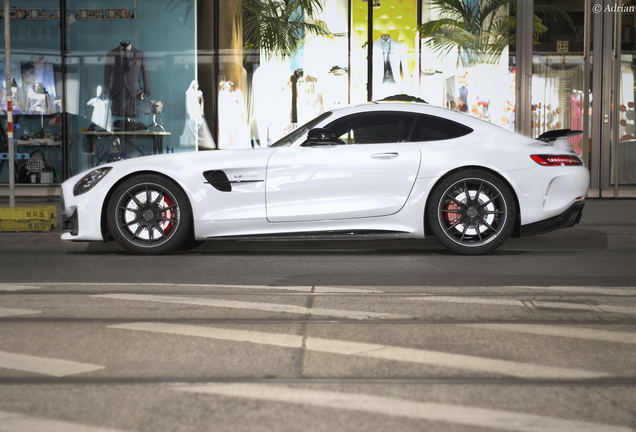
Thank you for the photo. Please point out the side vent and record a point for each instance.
(219, 180)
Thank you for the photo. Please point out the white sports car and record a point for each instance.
(379, 170)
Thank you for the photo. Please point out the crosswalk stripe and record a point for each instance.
(43, 365)
(5, 312)
(269, 307)
(538, 303)
(15, 287)
(455, 414)
(560, 331)
(16, 422)
(383, 352)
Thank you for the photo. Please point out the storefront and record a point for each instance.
(106, 80)
(489, 59)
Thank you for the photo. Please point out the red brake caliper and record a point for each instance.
(167, 226)
(452, 218)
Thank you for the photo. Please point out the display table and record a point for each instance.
(156, 137)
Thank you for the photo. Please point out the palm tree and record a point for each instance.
(278, 27)
(481, 29)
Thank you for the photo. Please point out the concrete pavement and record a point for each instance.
(606, 224)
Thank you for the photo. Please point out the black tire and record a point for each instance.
(149, 214)
(473, 222)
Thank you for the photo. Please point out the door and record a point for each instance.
(371, 173)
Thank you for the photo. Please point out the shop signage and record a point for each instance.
(80, 14)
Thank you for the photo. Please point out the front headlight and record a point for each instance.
(89, 181)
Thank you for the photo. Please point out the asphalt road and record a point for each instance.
(319, 336)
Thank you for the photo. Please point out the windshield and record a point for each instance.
(294, 136)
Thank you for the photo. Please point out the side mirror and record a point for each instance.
(320, 137)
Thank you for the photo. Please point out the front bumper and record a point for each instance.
(568, 218)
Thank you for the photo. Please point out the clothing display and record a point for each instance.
(126, 65)
(48, 77)
(101, 115)
(38, 100)
(196, 131)
(233, 128)
(307, 100)
(388, 57)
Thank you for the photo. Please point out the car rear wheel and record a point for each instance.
(149, 214)
(472, 212)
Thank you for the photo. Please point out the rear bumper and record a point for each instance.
(568, 218)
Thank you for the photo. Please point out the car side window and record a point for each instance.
(432, 128)
(373, 128)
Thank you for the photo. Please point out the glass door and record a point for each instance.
(620, 178)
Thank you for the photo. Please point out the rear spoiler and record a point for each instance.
(554, 135)
(559, 138)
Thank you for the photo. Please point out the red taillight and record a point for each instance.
(556, 160)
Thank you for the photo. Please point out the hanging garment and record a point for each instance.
(126, 68)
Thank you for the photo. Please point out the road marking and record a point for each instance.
(44, 366)
(538, 303)
(308, 289)
(560, 331)
(14, 287)
(468, 300)
(16, 422)
(411, 409)
(383, 352)
(582, 290)
(561, 305)
(269, 307)
(5, 312)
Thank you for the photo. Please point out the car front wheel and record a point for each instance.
(472, 212)
(149, 214)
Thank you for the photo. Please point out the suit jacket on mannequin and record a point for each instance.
(396, 58)
(126, 67)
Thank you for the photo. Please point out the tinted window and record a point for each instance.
(373, 128)
(431, 128)
(291, 138)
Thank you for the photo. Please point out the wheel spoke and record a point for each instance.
(494, 212)
(136, 211)
(464, 232)
(467, 192)
(134, 198)
(489, 201)
(487, 225)
(138, 231)
(132, 222)
(148, 200)
(159, 197)
(481, 240)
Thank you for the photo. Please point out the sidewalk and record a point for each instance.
(606, 224)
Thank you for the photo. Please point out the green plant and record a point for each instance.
(278, 27)
(481, 29)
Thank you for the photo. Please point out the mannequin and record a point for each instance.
(388, 56)
(126, 65)
(196, 131)
(39, 101)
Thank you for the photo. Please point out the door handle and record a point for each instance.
(389, 155)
